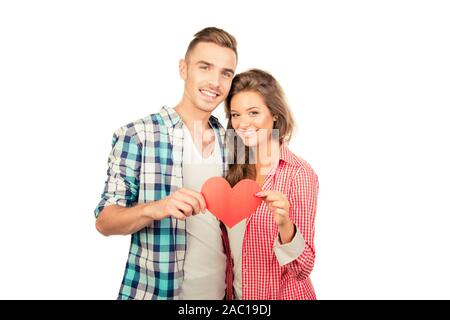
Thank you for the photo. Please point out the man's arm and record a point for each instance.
(117, 213)
(117, 220)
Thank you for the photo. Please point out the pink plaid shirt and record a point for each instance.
(262, 276)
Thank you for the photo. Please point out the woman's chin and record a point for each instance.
(251, 142)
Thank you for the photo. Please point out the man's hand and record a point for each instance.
(180, 204)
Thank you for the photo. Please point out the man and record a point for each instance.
(154, 179)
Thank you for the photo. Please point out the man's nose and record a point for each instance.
(214, 80)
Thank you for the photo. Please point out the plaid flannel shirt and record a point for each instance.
(145, 164)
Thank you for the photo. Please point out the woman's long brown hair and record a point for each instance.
(255, 80)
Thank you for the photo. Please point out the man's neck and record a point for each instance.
(192, 116)
(196, 122)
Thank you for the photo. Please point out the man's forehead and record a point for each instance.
(213, 54)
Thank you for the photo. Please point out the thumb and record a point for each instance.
(261, 194)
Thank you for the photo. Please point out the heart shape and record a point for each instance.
(231, 205)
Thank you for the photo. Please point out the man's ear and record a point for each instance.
(182, 66)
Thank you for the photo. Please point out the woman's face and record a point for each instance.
(251, 118)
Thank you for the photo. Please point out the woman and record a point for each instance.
(277, 253)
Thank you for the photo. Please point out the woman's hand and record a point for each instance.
(278, 204)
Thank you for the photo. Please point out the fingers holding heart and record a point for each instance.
(278, 204)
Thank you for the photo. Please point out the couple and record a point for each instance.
(158, 165)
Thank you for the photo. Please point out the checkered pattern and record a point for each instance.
(262, 276)
(145, 164)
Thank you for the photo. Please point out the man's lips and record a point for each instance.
(211, 94)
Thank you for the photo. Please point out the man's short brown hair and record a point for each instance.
(213, 35)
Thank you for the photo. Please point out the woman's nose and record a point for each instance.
(243, 123)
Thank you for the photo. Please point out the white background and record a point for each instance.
(369, 83)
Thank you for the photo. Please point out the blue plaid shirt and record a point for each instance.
(145, 164)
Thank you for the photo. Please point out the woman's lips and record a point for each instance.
(247, 134)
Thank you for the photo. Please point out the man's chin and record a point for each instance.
(208, 107)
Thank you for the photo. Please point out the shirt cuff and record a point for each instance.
(108, 202)
(288, 252)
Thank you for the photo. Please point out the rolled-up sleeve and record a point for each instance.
(290, 251)
(124, 162)
(303, 205)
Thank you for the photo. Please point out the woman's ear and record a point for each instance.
(275, 124)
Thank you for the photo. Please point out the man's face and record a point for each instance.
(207, 72)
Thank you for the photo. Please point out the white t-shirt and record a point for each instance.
(205, 260)
(236, 237)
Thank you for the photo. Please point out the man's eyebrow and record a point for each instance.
(204, 62)
(229, 70)
(211, 64)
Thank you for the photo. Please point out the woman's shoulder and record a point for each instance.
(296, 164)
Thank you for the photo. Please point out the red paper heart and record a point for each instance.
(231, 205)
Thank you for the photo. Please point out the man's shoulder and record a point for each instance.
(141, 129)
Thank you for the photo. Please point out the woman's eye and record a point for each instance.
(234, 115)
(253, 113)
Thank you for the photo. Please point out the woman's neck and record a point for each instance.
(266, 157)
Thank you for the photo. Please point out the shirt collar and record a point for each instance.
(285, 155)
(172, 118)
